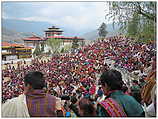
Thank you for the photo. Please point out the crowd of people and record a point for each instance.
(74, 77)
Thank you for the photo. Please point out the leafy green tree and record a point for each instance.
(62, 50)
(102, 30)
(54, 44)
(37, 51)
(75, 44)
(135, 18)
(42, 47)
(132, 27)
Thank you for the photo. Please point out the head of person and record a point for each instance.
(100, 88)
(34, 80)
(135, 82)
(73, 100)
(60, 113)
(111, 80)
(142, 79)
(86, 108)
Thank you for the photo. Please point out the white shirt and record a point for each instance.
(151, 110)
(15, 107)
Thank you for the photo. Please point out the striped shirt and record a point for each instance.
(41, 104)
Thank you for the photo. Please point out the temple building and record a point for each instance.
(52, 33)
(17, 51)
(68, 40)
(55, 33)
(33, 41)
(13, 51)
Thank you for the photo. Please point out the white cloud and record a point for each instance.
(75, 15)
(34, 19)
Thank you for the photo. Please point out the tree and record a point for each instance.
(102, 30)
(132, 27)
(37, 50)
(62, 50)
(136, 17)
(42, 46)
(75, 44)
(54, 44)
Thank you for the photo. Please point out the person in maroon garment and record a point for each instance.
(39, 103)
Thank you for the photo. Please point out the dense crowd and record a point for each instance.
(71, 76)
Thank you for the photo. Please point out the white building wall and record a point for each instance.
(29, 45)
(4, 51)
(11, 57)
(67, 43)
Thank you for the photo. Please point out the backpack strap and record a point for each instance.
(113, 108)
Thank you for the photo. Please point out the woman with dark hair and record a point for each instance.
(116, 103)
(86, 108)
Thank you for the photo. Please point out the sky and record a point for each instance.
(77, 16)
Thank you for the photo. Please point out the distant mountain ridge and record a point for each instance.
(28, 26)
(15, 30)
(93, 35)
(12, 36)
